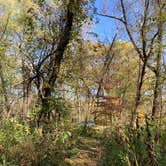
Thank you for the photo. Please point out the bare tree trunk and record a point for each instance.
(78, 103)
(138, 91)
(4, 89)
(25, 89)
(24, 107)
(157, 99)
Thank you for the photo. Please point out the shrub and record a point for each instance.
(123, 147)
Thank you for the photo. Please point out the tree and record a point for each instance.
(47, 42)
(8, 54)
(142, 34)
(157, 99)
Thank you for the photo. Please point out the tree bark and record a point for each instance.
(157, 98)
(4, 89)
(138, 91)
(26, 89)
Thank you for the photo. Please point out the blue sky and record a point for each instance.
(105, 28)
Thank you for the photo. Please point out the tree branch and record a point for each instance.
(112, 17)
(128, 31)
(143, 30)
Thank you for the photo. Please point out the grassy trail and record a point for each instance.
(89, 152)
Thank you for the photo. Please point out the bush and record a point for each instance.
(20, 145)
(123, 147)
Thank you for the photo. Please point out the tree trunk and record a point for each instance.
(55, 61)
(138, 91)
(26, 89)
(157, 99)
(4, 89)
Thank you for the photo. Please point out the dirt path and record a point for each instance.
(89, 152)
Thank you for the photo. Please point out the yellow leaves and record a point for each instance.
(141, 115)
(9, 5)
(116, 101)
(113, 93)
(21, 129)
(29, 5)
(55, 4)
(9, 11)
(17, 126)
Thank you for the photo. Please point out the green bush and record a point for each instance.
(20, 145)
(137, 147)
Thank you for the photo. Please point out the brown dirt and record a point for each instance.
(89, 152)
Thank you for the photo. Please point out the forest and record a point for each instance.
(82, 83)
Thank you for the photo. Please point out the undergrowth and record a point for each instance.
(137, 147)
(25, 146)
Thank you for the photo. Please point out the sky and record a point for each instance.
(105, 28)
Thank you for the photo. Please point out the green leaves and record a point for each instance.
(64, 136)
